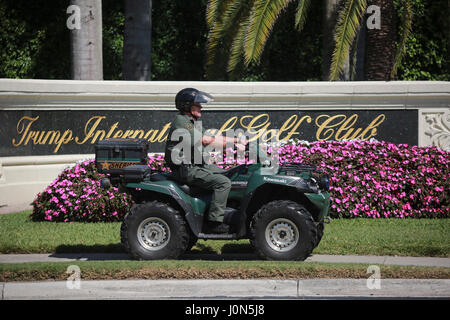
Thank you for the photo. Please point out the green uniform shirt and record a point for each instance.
(183, 127)
(203, 176)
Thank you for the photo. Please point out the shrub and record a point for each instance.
(76, 195)
(379, 179)
(368, 179)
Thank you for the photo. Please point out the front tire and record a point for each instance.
(154, 230)
(283, 230)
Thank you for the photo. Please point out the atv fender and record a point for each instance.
(295, 190)
(194, 216)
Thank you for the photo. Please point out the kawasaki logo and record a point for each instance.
(274, 180)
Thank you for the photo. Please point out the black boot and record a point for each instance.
(217, 227)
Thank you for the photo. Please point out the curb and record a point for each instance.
(227, 289)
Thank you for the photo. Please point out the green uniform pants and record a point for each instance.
(209, 177)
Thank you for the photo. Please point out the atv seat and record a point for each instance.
(194, 190)
(190, 190)
(231, 172)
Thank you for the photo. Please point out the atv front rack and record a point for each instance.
(292, 168)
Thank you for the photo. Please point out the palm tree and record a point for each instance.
(347, 27)
(137, 40)
(86, 39)
(380, 50)
(330, 19)
(243, 26)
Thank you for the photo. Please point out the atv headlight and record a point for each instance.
(324, 182)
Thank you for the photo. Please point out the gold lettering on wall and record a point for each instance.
(326, 127)
(40, 137)
(340, 127)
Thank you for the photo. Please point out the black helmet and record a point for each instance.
(187, 97)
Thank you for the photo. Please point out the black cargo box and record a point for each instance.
(112, 155)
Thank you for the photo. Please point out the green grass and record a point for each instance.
(195, 269)
(18, 234)
(403, 237)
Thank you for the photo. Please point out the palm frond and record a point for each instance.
(262, 19)
(302, 11)
(212, 12)
(406, 27)
(223, 26)
(348, 23)
(232, 11)
(237, 47)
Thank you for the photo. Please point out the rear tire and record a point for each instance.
(283, 230)
(154, 230)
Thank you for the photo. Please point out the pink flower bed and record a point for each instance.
(368, 179)
(380, 179)
(76, 195)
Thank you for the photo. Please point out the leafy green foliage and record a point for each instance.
(113, 28)
(406, 26)
(35, 42)
(178, 40)
(426, 49)
(32, 43)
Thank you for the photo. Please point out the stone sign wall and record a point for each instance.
(31, 133)
(46, 125)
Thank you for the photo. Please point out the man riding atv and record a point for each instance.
(281, 209)
(192, 169)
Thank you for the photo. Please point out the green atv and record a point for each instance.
(282, 213)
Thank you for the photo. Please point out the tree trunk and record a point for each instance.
(357, 53)
(85, 24)
(331, 10)
(137, 40)
(380, 49)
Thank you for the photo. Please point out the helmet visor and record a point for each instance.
(203, 97)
